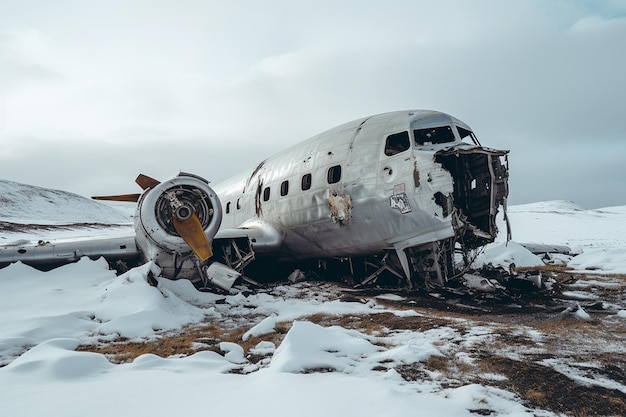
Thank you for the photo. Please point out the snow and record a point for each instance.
(505, 254)
(309, 346)
(608, 260)
(564, 223)
(315, 370)
(597, 236)
(266, 326)
(26, 204)
(51, 313)
(77, 383)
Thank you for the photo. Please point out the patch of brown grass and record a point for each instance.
(123, 350)
(535, 396)
(621, 277)
(188, 341)
(209, 336)
(374, 324)
(544, 268)
(541, 386)
(438, 363)
(363, 323)
(567, 326)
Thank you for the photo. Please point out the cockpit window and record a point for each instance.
(433, 135)
(465, 134)
(396, 143)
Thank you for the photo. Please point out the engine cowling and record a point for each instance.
(156, 234)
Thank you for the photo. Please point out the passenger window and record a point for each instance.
(266, 194)
(306, 182)
(433, 135)
(396, 143)
(284, 188)
(239, 203)
(334, 174)
(228, 207)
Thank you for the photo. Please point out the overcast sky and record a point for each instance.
(94, 92)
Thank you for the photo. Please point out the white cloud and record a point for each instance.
(150, 77)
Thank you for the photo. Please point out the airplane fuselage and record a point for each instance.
(361, 188)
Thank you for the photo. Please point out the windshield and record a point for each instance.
(467, 135)
(433, 135)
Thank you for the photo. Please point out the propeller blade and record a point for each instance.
(133, 198)
(190, 229)
(146, 182)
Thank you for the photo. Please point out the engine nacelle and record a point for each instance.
(156, 235)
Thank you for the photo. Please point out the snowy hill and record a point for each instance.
(548, 206)
(25, 204)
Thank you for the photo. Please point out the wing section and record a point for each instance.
(47, 254)
(263, 238)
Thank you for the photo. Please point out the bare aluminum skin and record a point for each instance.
(341, 194)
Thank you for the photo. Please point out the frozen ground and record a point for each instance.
(79, 340)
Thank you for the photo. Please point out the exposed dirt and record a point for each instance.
(563, 351)
(542, 386)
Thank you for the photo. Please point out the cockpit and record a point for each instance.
(400, 142)
(442, 134)
(433, 135)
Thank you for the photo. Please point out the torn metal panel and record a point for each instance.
(480, 187)
(477, 282)
(220, 276)
(416, 175)
(254, 173)
(445, 202)
(257, 198)
(340, 206)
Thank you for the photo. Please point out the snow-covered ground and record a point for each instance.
(316, 369)
(47, 315)
(598, 235)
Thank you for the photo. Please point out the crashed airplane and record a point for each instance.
(387, 197)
